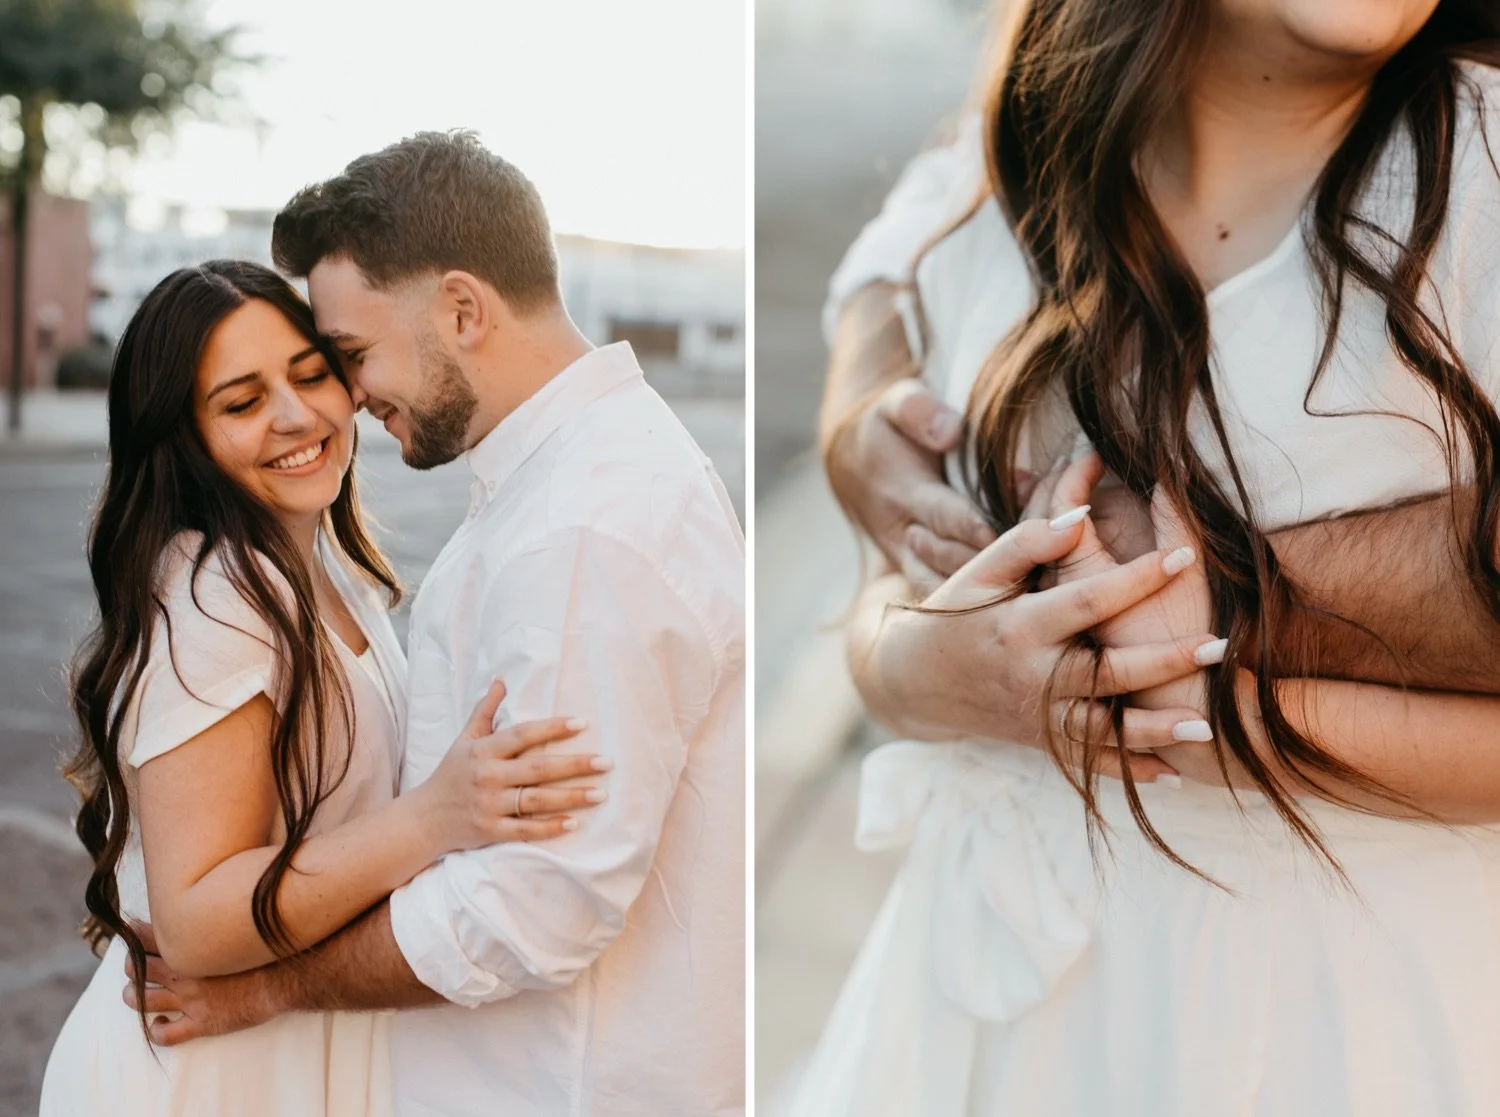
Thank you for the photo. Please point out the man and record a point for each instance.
(600, 571)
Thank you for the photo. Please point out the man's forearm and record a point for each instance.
(360, 969)
(869, 354)
(1389, 602)
(1436, 751)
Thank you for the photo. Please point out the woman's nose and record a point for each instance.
(290, 412)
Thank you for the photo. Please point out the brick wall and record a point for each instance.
(58, 263)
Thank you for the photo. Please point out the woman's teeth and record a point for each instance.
(302, 457)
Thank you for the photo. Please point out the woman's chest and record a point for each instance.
(362, 746)
(1362, 434)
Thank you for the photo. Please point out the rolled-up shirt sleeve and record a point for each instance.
(935, 189)
(582, 625)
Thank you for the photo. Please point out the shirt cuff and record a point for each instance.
(880, 255)
(421, 923)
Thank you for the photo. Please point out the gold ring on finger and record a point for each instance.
(518, 812)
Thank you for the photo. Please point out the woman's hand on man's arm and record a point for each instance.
(1433, 748)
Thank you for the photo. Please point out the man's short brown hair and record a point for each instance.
(436, 201)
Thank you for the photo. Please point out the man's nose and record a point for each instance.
(357, 394)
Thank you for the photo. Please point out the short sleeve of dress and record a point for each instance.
(934, 190)
(210, 654)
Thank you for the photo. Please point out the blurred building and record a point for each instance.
(57, 296)
(683, 311)
(865, 18)
(136, 246)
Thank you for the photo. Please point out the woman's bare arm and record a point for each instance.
(208, 810)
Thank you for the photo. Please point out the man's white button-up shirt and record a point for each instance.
(600, 574)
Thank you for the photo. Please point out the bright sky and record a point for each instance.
(628, 116)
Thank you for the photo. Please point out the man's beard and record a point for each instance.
(439, 419)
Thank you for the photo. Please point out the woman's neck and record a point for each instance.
(1230, 169)
(304, 534)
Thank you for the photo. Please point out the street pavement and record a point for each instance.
(48, 481)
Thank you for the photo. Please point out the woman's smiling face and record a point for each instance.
(272, 413)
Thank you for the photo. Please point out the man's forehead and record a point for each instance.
(338, 277)
(343, 298)
(343, 303)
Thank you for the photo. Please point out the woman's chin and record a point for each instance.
(293, 502)
(1353, 29)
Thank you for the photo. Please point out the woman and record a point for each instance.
(1241, 246)
(241, 703)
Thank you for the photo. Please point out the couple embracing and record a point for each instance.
(525, 832)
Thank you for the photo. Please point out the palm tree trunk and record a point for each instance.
(33, 148)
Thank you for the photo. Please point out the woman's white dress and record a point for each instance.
(1011, 973)
(314, 1064)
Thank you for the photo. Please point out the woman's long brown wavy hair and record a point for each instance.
(1120, 322)
(161, 481)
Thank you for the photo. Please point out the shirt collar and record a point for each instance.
(516, 437)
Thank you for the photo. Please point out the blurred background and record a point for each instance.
(846, 91)
(138, 136)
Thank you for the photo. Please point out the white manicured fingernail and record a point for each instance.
(1069, 519)
(570, 824)
(944, 426)
(1169, 779)
(601, 764)
(596, 795)
(577, 725)
(1178, 561)
(1195, 730)
(1206, 655)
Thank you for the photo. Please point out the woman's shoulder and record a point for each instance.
(197, 583)
(1477, 123)
(212, 649)
(972, 283)
(1471, 238)
(1479, 83)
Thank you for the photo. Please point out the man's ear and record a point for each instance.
(465, 306)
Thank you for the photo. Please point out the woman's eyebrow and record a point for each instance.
(236, 382)
(310, 351)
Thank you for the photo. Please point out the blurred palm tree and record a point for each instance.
(106, 71)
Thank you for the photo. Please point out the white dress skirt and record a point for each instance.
(1011, 973)
(297, 1065)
